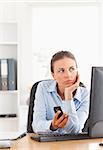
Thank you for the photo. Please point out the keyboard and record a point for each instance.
(59, 137)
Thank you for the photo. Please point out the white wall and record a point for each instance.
(31, 1)
(24, 17)
(22, 12)
(74, 28)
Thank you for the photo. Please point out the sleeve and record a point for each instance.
(40, 123)
(77, 117)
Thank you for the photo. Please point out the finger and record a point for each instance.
(60, 120)
(56, 115)
(76, 84)
(66, 115)
(63, 123)
(74, 87)
(55, 120)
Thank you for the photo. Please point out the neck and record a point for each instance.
(60, 91)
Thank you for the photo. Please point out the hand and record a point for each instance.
(69, 90)
(61, 122)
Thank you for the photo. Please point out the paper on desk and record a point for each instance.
(10, 135)
(5, 144)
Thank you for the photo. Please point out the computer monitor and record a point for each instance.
(96, 103)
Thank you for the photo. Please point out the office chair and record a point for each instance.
(31, 106)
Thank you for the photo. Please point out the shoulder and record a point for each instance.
(47, 84)
(84, 91)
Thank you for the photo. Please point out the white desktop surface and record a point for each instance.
(11, 128)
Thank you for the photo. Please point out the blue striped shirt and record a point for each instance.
(47, 98)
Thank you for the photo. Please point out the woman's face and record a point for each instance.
(65, 72)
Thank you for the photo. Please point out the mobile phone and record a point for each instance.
(56, 109)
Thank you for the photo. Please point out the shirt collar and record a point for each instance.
(52, 87)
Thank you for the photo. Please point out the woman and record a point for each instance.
(66, 91)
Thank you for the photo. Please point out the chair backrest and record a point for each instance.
(31, 106)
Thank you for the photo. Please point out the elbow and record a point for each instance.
(35, 127)
(73, 127)
(76, 128)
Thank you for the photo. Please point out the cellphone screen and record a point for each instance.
(58, 108)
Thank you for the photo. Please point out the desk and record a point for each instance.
(28, 144)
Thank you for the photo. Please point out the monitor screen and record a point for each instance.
(96, 103)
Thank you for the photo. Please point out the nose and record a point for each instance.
(67, 73)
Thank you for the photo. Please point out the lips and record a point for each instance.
(69, 82)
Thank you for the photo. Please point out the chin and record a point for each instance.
(69, 84)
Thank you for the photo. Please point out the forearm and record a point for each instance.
(72, 125)
(69, 107)
(77, 117)
(73, 121)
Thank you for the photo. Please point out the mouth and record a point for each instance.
(69, 81)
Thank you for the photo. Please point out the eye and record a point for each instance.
(60, 70)
(72, 69)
